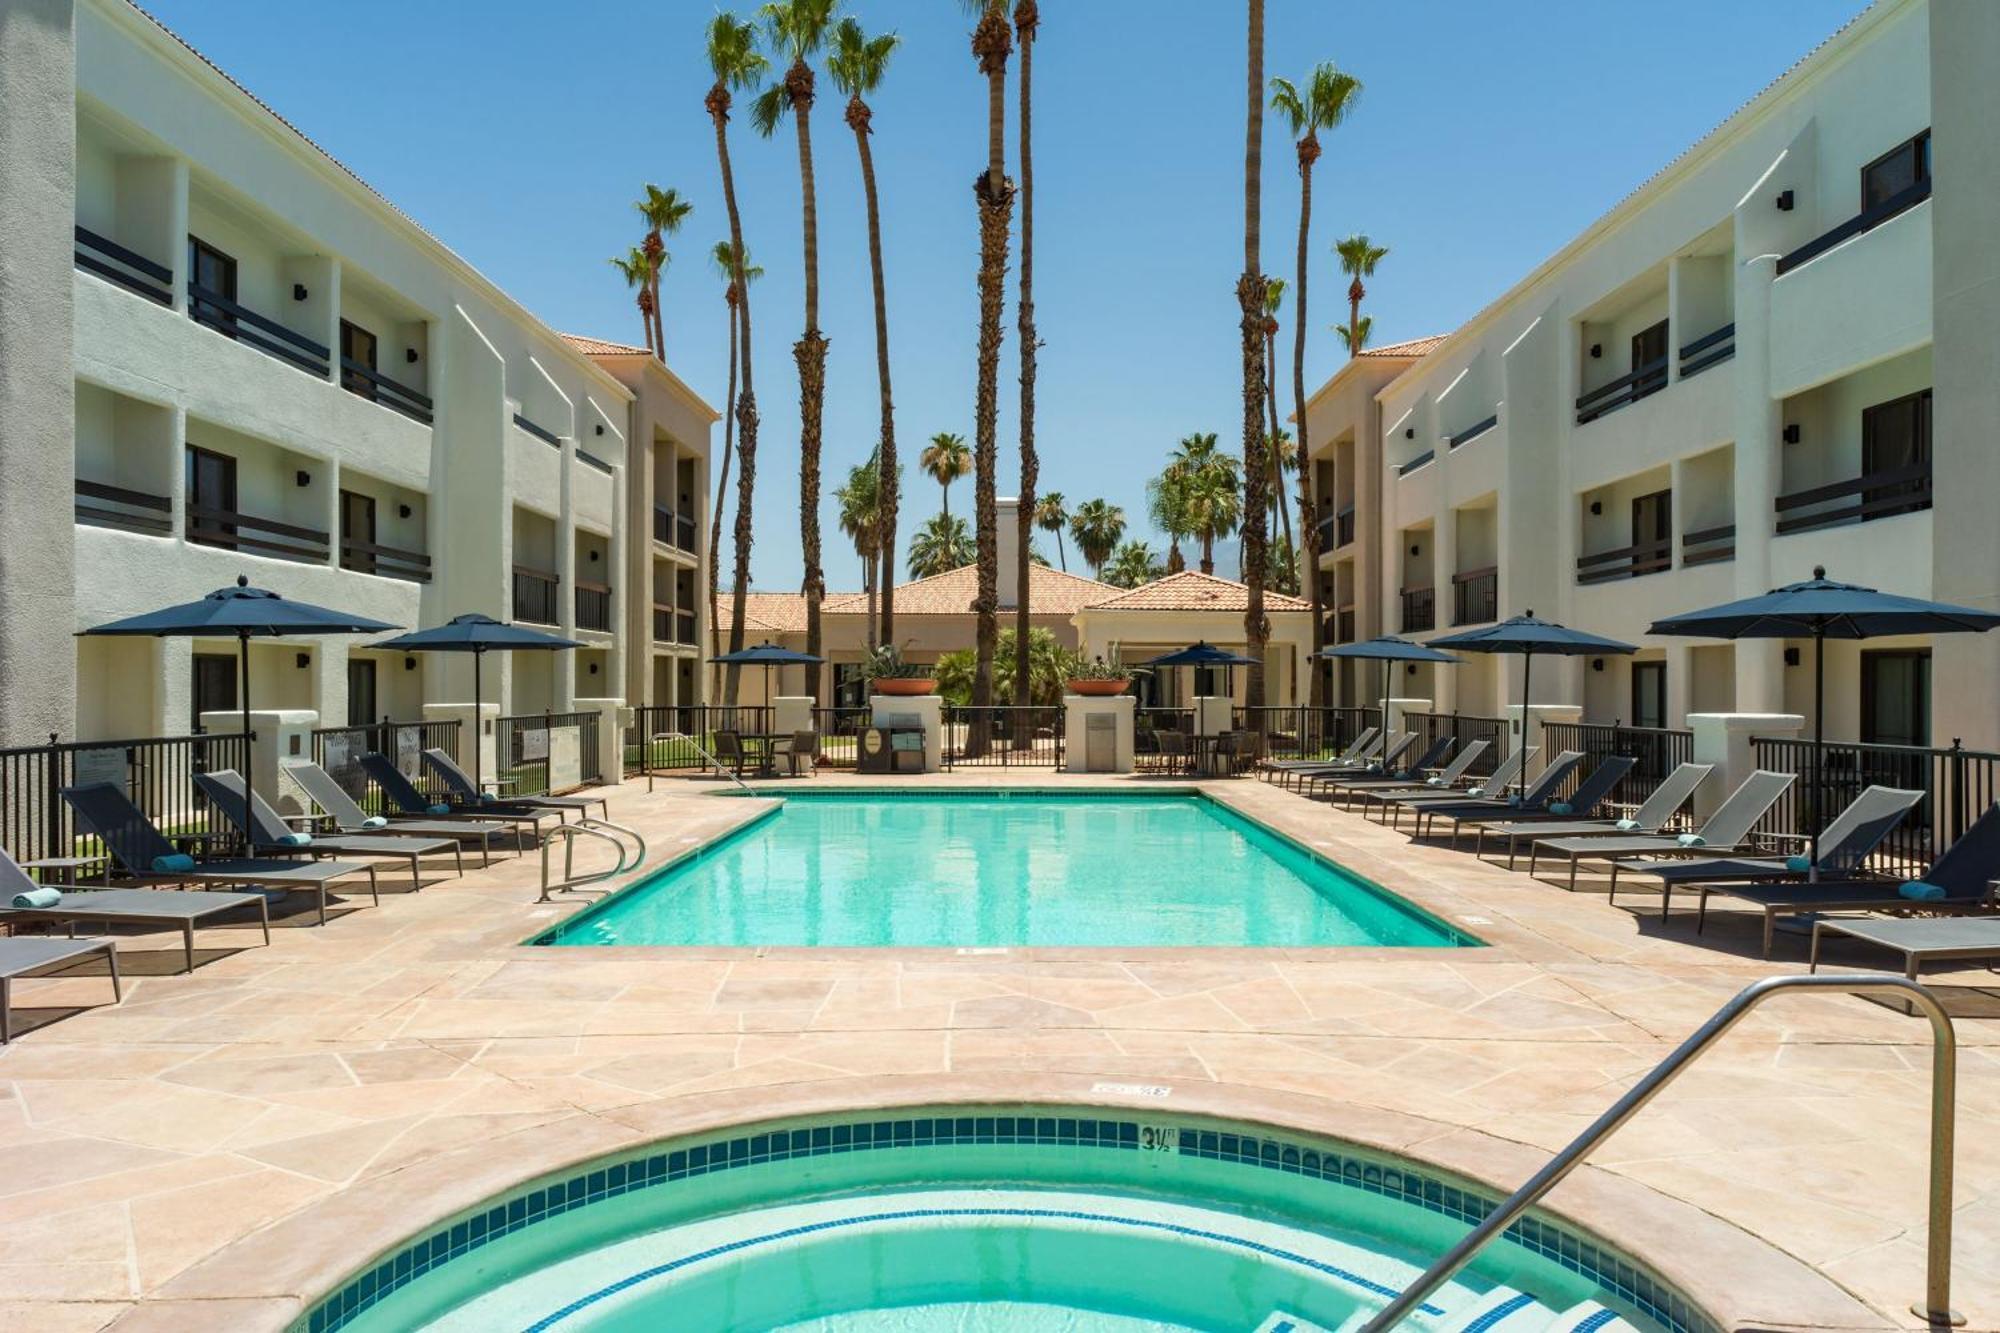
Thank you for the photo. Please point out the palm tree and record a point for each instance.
(638, 270)
(941, 545)
(1358, 258)
(1166, 505)
(735, 276)
(1096, 527)
(1027, 21)
(1052, 515)
(945, 459)
(1250, 297)
(1274, 298)
(992, 42)
(664, 212)
(860, 503)
(797, 29)
(858, 64)
(1198, 496)
(1131, 565)
(737, 64)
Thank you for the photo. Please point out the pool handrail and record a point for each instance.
(604, 829)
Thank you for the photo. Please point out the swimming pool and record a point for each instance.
(1029, 1219)
(1004, 869)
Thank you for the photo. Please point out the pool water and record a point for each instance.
(1004, 870)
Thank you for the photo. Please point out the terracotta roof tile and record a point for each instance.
(1050, 593)
(765, 612)
(1414, 347)
(1193, 591)
(598, 347)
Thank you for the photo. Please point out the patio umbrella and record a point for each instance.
(1386, 649)
(767, 655)
(1523, 637)
(478, 635)
(1820, 609)
(1205, 654)
(245, 613)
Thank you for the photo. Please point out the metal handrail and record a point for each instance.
(1936, 1305)
(596, 828)
(705, 753)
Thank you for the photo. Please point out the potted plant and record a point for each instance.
(886, 672)
(1098, 679)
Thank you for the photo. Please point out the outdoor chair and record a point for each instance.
(459, 783)
(1442, 782)
(1351, 754)
(1358, 760)
(402, 793)
(24, 957)
(346, 815)
(1539, 794)
(1499, 780)
(1174, 754)
(1385, 771)
(800, 751)
(1726, 830)
(1582, 804)
(143, 853)
(730, 754)
(266, 833)
(72, 907)
(1653, 814)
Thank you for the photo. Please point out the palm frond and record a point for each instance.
(663, 210)
(1356, 338)
(1359, 255)
(1285, 100)
(733, 56)
(769, 108)
(1334, 93)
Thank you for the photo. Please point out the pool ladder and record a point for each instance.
(1936, 1305)
(602, 829)
(704, 752)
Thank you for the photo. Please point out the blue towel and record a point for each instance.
(1475, 791)
(296, 840)
(487, 798)
(1919, 892)
(1627, 824)
(1562, 808)
(1434, 782)
(375, 821)
(1514, 802)
(440, 809)
(175, 863)
(1692, 840)
(1798, 863)
(38, 897)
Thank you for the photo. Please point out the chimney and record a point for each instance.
(1006, 521)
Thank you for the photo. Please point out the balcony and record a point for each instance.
(213, 310)
(1419, 609)
(363, 382)
(1605, 399)
(663, 623)
(1711, 349)
(233, 531)
(1708, 546)
(1328, 530)
(1420, 460)
(1864, 221)
(1475, 596)
(684, 628)
(102, 506)
(673, 530)
(542, 433)
(1474, 431)
(1342, 624)
(592, 460)
(1627, 562)
(389, 562)
(132, 271)
(1902, 490)
(1343, 527)
(593, 606)
(534, 596)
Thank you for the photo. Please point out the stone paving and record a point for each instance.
(225, 1145)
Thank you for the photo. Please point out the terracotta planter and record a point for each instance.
(904, 687)
(1098, 689)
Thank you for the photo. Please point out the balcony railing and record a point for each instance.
(1474, 431)
(1867, 220)
(1343, 624)
(1708, 545)
(212, 309)
(663, 525)
(663, 623)
(1328, 529)
(102, 506)
(379, 388)
(589, 459)
(1902, 490)
(390, 562)
(534, 596)
(1419, 609)
(684, 533)
(593, 606)
(542, 433)
(1475, 596)
(684, 628)
(1605, 399)
(1343, 530)
(1711, 349)
(129, 269)
(234, 531)
(1417, 462)
(1627, 562)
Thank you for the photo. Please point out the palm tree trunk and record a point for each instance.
(1273, 443)
(810, 354)
(887, 496)
(1354, 295)
(991, 43)
(945, 488)
(746, 405)
(1250, 297)
(1308, 511)
(1061, 555)
(722, 477)
(1208, 552)
(1026, 18)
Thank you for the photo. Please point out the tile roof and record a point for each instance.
(765, 612)
(1193, 591)
(598, 347)
(1413, 347)
(1051, 592)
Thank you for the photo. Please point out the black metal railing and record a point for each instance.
(1711, 349)
(665, 738)
(1464, 729)
(684, 628)
(1003, 736)
(684, 535)
(1419, 609)
(1300, 731)
(839, 733)
(1326, 530)
(102, 506)
(542, 433)
(338, 750)
(365, 382)
(589, 459)
(1866, 220)
(128, 268)
(1708, 545)
(1605, 399)
(663, 623)
(1148, 723)
(535, 596)
(235, 531)
(1475, 596)
(1341, 625)
(1657, 751)
(524, 744)
(1474, 431)
(1407, 468)
(390, 562)
(593, 606)
(1959, 785)
(1902, 490)
(1343, 526)
(157, 772)
(663, 525)
(211, 309)
(1627, 562)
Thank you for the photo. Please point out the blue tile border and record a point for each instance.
(1615, 1276)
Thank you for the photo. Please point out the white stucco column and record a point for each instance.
(473, 729)
(281, 734)
(1759, 475)
(1078, 710)
(1528, 731)
(790, 713)
(1723, 739)
(1399, 707)
(1212, 714)
(612, 717)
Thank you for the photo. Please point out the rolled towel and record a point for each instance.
(375, 821)
(175, 863)
(42, 896)
(1798, 863)
(440, 809)
(1914, 889)
(1561, 808)
(1514, 802)
(1374, 768)
(1475, 791)
(1692, 840)
(295, 840)
(1627, 824)
(1434, 782)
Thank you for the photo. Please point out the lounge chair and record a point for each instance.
(1376, 775)
(1651, 816)
(1445, 782)
(1965, 871)
(1350, 755)
(402, 793)
(1358, 756)
(22, 957)
(459, 783)
(266, 831)
(143, 853)
(1173, 754)
(104, 907)
(347, 815)
(1398, 745)
(1727, 829)
(1537, 796)
(1539, 802)
(1499, 780)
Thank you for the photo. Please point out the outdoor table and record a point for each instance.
(68, 866)
(762, 747)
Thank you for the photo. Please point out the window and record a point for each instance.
(360, 691)
(214, 685)
(211, 274)
(357, 353)
(1649, 694)
(1652, 533)
(1903, 167)
(211, 497)
(1896, 443)
(1649, 360)
(1896, 696)
(357, 532)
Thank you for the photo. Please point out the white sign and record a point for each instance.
(563, 748)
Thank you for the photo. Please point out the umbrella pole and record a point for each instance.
(1819, 729)
(478, 724)
(249, 745)
(1385, 701)
(1527, 671)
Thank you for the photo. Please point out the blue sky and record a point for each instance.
(1487, 136)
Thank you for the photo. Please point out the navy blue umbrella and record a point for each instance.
(1523, 637)
(478, 635)
(245, 613)
(767, 655)
(1820, 609)
(1386, 649)
(1205, 654)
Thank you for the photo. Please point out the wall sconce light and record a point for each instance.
(1792, 433)
(298, 291)
(1597, 351)
(1791, 657)
(1597, 664)
(409, 664)
(1785, 201)
(410, 355)
(302, 661)
(303, 477)
(1410, 433)
(593, 668)
(1410, 668)
(600, 428)
(1416, 550)
(1596, 506)
(402, 511)
(593, 557)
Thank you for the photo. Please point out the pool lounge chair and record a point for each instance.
(1352, 754)
(23, 957)
(141, 851)
(459, 783)
(1651, 816)
(1538, 795)
(104, 907)
(1358, 757)
(268, 834)
(1447, 781)
(1726, 830)
(1376, 774)
(402, 793)
(346, 814)
(1399, 745)
(1539, 801)
(1499, 780)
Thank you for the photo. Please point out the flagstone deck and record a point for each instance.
(221, 1148)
